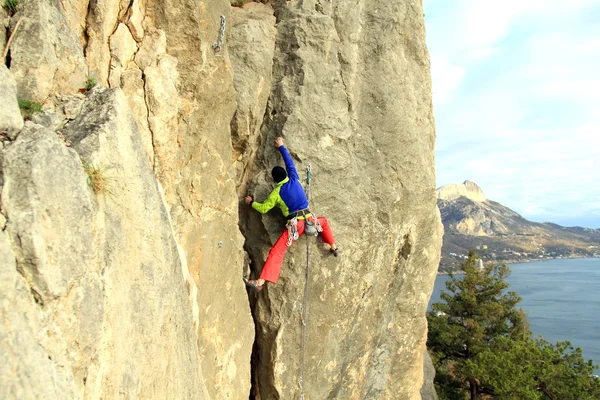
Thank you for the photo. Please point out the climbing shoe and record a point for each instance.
(252, 284)
(334, 252)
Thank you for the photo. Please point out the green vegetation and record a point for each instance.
(535, 369)
(90, 83)
(241, 3)
(482, 347)
(11, 6)
(29, 108)
(97, 179)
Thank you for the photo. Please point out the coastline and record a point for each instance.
(520, 261)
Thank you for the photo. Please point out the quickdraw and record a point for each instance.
(292, 228)
(219, 43)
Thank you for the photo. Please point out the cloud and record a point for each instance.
(449, 77)
(516, 98)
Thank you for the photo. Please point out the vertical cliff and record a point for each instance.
(136, 290)
(352, 95)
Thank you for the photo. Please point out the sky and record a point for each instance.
(516, 95)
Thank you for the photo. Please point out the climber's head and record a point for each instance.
(278, 173)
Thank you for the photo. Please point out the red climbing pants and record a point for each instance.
(272, 268)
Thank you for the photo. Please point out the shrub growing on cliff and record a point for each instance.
(97, 179)
(90, 83)
(29, 108)
(481, 344)
(241, 3)
(11, 6)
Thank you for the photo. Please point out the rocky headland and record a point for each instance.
(471, 221)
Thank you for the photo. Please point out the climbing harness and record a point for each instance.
(219, 43)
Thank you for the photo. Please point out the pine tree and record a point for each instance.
(481, 344)
(535, 369)
(475, 310)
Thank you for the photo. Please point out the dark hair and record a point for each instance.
(278, 173)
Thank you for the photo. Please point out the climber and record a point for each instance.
(291, 199)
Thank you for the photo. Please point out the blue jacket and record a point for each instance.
(289, 194)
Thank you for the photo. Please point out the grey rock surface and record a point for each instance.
(428, 389)
(26, 371)
(46, 56)
(251, 44)
(202, 196)
(35, 166)
(11, 120)
(102, 274)
(4, 23)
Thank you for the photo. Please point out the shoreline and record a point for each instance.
(522, 261)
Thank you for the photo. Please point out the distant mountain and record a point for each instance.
(500, 234)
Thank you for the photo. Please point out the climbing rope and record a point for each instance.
(303, 307)
(217, 45)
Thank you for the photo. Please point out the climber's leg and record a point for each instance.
(327, 233)
(272, 267)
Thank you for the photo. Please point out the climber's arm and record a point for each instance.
(289, 163)
(266, 205)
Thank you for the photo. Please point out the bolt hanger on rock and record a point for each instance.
(219, 43)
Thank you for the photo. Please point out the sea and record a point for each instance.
(561, 298)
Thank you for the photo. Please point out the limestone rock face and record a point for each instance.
(468, 189)
(113, 316)
(4, 22)
(134, 89)
(38, 162)
(195, 167)
(352, 95)
(122, 49)
(163, 111)
(76, 13)
(251, 46)
(11, 120)
(46, 56)
(26, 371)
(428, 389)
(103, 17)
